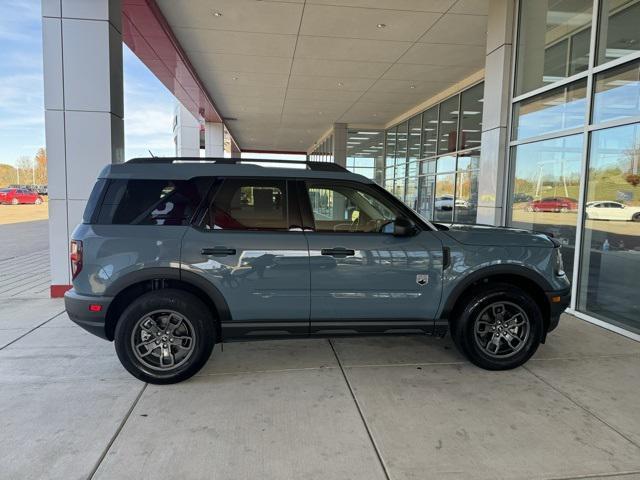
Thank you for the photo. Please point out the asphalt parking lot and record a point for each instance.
(365, 408)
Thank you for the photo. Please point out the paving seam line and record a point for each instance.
(598, 475)
(587, 410)
(364, 421)
(34, 328)
(117, 432)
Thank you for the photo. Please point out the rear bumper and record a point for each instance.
(77, 307)
(558, 302)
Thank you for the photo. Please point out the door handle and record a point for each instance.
(218, 251)
(338, 252)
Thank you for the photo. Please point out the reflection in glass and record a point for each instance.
(426, 187)
(401, 150)
(411, 196)
(471, 121)
(448, 125)
(553, 41)
(365, 150)
(617, 93)
(558, 109)
(466, 201)
(608, 285)
(429, 133)
(390, 149)
(413, 143)
(446, 163)
(545, 189)
(619, 31)
(444, 199)
(398, 188)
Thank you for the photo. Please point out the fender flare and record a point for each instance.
(173, 273)
(477, 275)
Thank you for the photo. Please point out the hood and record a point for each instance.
(487, 235)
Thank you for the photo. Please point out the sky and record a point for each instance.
(148, 105)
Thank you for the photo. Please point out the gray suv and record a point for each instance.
(174, 255)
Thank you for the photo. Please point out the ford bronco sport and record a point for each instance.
(174, 255)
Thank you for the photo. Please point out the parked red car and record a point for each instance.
(14, 196)
(553, 204)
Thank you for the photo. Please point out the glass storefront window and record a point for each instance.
(426, 187)
(445, 197)
(471, 119)
(446, 163)
(365, 153)
(428, 166)
(553, 41)
(390, 150)
(430, 133)
(608, 284)
(619, 30)
(448, 125)
(617, 93)
(411, 195)
(401, 150)
(545, 189)
(413, 142)
(552, 111)
(466, 202)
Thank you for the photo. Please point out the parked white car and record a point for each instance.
(446, 202)
(608, 210)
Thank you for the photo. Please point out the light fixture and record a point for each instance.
(217, 14)
(340, 84)
(412, 86)
(235, 78)
(381, 25)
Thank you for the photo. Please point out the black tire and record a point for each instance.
(636, 217)
(179, 306)
(476, 310)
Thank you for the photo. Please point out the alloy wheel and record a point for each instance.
(502, 329)
(163, 340)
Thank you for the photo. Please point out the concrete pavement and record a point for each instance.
(350, 408)
(24, 260)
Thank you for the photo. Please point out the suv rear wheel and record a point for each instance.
(499, 327)
(165, 336)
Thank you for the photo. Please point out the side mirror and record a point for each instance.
(403, 227)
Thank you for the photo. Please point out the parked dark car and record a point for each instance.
(172, 259)
(553, 204)
(15, 196)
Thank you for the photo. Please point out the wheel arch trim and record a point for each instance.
(490, 271)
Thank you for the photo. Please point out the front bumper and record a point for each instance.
(558, 302)
(77, 307)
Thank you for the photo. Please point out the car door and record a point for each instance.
(616, 211)
(363, 278)
(249, 246)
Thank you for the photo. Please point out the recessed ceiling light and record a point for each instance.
(340, 84)
(381, 25)
(217, 14)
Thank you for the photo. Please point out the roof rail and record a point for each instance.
(315, 166)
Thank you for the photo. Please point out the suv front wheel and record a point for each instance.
(499, 327)
(165, 336)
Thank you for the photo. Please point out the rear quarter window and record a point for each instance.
(152, 202)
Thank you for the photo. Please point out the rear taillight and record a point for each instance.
(75, 256)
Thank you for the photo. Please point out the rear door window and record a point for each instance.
(152, 202)
(249, 204)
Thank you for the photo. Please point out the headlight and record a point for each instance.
(559, 269)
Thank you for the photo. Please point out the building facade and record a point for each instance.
(569, 160)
